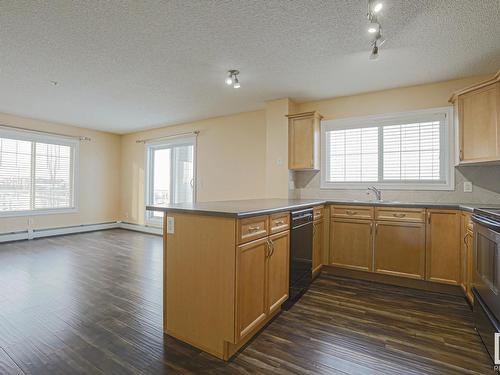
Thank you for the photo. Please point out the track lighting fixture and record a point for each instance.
(374, 27)
(232, 78)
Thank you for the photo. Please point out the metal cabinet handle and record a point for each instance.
(428, 217)
(253, 229)
(376, 228)
(281, 222)
(465, 239)
(349, 212)
(268, 250)
(400, 215)
(272, 248)
(371, 228)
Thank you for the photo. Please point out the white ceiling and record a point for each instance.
(129, 65)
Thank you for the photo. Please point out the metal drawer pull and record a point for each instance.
(349, 212)
(398, 215)
(281, 222)
(253, 229)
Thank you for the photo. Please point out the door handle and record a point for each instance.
(272, 248)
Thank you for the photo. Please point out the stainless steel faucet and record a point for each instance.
(377, 192)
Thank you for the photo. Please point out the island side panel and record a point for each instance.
(199, 280)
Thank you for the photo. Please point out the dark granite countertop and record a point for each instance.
(240, 208)
(254, 207)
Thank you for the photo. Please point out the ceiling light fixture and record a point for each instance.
(377, 7)
(374, 27)
(232, 78)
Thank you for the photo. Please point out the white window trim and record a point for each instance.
(348, 123)
(58, 140)
(152, 145)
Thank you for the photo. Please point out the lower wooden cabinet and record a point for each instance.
(400, 249)
(262, 274)
(467, 243)
(443, 246)
(351, 243)
(251, 283)
(317, 252)
(278, 270)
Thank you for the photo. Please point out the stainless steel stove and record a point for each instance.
(486, 275)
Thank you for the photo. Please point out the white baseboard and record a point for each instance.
(141, 228)
(39, 233)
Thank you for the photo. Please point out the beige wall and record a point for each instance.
(485, 179)
(231, 161)
(99, 170)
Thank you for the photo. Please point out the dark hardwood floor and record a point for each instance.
(92, 303)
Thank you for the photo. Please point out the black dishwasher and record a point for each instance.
(301, 238)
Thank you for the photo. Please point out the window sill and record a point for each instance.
(387, 186)
(56, 211)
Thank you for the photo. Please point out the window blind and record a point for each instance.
(353, 155)
(15, 175)
(412, 151)
(394, 151)
(35, 176)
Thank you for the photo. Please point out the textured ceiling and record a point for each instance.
(129, 65)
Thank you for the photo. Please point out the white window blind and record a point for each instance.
(397, 151)
(353, 154)
(36, 175)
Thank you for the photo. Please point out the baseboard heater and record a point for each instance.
(60, 231)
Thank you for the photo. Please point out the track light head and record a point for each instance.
(232, 78)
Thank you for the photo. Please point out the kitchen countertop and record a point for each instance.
(254, 207)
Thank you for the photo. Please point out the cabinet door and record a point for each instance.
(317, 253)
(400, 249)
(464, 219)
(251, 306)
(469, 242)
(443, 246)
(478, 113)
(351, 243)
(303, 141)
(278, 270)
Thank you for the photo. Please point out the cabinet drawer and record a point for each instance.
(252, 228)
(318, 212)
(414, 215)
(279, 222)
(355, 212)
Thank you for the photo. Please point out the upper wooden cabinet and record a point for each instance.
(477, 110)
(304, 141)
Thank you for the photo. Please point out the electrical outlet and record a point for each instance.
(170, 225)
(467, 187)
(279, 161)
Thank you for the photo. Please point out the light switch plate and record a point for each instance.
(467, 187)
(170, 225)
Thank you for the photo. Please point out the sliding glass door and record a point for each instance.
(170, 174)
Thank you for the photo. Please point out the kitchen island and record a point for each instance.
(226, 269)
(226, 264)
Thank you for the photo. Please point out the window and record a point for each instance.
(37, 173)
(399, 151)
(170, 174)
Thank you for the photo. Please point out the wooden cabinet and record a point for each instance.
(478, 115)
(317, 253)
(251, 284)
(262, 274)
(278, 270)
(443, 246)
(467, 243)
(351, 243)
(304, 141)
(400, 249)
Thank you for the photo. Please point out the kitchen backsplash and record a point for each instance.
(485, 180)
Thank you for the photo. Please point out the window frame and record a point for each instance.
(149, 217)
(33, 137)
(447, 143)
